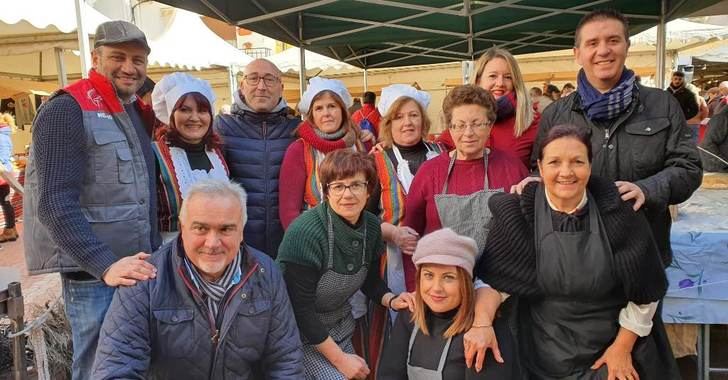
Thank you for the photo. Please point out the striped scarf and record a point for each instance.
(214, 292)
(610, 104)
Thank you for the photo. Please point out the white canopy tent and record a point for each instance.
(188, 43)
(42, 46)
(289, 60)
(681, 32)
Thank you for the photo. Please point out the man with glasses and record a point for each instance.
(256, 134)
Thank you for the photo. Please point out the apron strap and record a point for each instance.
(452, 163)
(443, 356)
(413, 334)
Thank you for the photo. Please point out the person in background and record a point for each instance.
(368, 116)
(429, 343)
(539, 101)
(685, 97)
(218, 308)
(713, 100)
(567, 89)
(145, 91)
(327, 128)
(356, 106)
(586, 272)
(327, 255)
(90, 191)
(186, 146)
(516, 122)
(7, 123)
(722, 97)
(714, 152)
(552, 92)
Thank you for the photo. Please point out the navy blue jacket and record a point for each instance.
(254, 144)
(159, 329)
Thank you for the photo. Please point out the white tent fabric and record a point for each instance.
(189, 43)
(719, 55)
(289, 61)
(682, 31)
(28, 37)
(28, 26)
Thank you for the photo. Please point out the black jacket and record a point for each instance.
(716, 142)
(650, 145)
(686, 98)
(509, 261)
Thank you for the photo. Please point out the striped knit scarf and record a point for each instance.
(215, 291)
(610, 104)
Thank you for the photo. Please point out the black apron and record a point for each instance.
(566, 331)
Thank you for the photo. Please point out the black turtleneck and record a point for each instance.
(416, 155)
(427, 349)
(196, 155)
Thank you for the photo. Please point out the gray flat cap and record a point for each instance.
(117, 32)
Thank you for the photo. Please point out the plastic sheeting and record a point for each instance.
(698, 275)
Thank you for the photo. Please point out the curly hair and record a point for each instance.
(465, 95)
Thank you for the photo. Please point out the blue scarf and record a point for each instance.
(506, 106)
(610, 104)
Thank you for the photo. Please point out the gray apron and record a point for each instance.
(334, 311)
(467, 215)
(568, 329)
(419, 373)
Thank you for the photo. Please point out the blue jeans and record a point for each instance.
(86, 305)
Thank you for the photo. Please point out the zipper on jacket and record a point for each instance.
(266, 217)
(198, 298)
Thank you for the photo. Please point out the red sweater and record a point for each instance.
(502, 139)
(466, 178)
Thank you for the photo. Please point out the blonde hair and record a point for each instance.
(524, 110)
(385, 125)
(463, 319)
(7, 119)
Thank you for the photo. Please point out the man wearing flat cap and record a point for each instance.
(90, 197)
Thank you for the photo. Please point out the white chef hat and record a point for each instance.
(318, 84)
(391, 93)
(171, 88)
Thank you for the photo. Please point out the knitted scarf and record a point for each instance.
(610, 104)
(215, 291)
(309, 134)
(506, 106)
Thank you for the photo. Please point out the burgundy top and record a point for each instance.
(466, 178)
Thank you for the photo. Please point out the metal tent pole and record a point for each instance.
(83, 45)
(661, 45)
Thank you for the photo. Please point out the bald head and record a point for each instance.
(262, 86)
(723, 88)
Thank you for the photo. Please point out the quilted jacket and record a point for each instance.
(160, 329)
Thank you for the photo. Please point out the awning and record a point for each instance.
(25, 29)
(388, 33)
(682, 32)
(289, 60)
(189, 43)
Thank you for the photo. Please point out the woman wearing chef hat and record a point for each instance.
(186, 147)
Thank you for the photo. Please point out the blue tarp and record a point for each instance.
(698, 276)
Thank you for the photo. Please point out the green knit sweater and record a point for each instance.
(306, 242)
